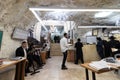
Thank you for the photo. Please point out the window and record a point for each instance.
(94, 32)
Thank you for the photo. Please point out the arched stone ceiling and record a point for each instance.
(15, 13)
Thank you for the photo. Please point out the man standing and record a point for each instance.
(55, 39)
(99, 47)
(64, 47)
(46, 47)
(79, 53)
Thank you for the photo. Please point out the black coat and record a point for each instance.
(99, 46)
(107, 49)
(20, 52)
(114, 44)
(78, 46)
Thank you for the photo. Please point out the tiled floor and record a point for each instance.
(52, 71)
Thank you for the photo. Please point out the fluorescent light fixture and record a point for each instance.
(82, 10)
(38, 18)
(115, 32)
(75, 10)
(103, 14)
(98, 26)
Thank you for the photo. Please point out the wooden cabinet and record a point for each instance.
(71, 55)
(43, 56)
(90, 53)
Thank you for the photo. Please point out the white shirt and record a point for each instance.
(63, 44)
(25, 53)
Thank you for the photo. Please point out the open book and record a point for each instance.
(99, 65)
(106, 63)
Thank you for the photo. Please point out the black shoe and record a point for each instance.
(49, 57)
(25, 74)
(64, 68)
(76, 63)
(28, 71)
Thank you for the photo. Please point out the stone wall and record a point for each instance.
(9, 45)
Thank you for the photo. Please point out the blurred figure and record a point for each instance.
(114, 44)
(34, 55)
(46, 47)
(58, 39)
(55, 39)
(64, 47)
(99, 47)
(107, 49)
(79, 53)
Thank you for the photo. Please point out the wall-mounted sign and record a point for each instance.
(20, 34)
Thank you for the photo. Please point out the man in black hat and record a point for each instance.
(79, 52)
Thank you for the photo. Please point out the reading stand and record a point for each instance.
(87, 67)
(20, 67)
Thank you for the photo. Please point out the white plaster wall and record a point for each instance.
(9, 45)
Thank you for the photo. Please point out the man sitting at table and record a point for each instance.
(22, 52)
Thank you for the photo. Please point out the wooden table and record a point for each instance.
(20, 67)
(87, 67)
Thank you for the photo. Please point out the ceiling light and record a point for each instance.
(103, 14)
(91, 10)
(98, 26)
(36, 15)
